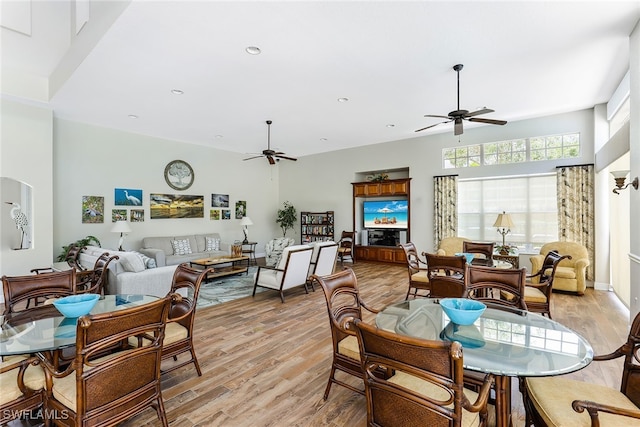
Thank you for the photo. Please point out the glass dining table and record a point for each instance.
(504, 342)
(45, 329)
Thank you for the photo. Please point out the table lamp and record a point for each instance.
(245, 223)
(121, 227)
(503, 224)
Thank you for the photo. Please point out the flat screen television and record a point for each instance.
(390, 214)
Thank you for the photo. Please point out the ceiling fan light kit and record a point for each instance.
(271, 155)
(457, 116)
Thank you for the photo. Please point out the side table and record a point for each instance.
(513, 259)
(250, 251)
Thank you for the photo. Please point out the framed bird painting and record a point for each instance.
(92, 209)
(127, 197)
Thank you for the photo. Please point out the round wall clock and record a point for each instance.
(179, 175)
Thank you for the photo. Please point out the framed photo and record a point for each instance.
(214, 214)
(118, 215)
(92, 209)
(176, 206)
(241, 209)
(127, 197)
(226, 213)
(179, 175)
(137, 215)
(219, 200)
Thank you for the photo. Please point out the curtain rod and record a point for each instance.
(444, 176)
(575, 166)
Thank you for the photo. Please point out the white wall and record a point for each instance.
(25, 155)
(93, 161)
(323, 181)
(634, 254)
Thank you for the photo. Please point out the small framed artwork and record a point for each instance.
(118, 215)
(241, 209)
(92, 209)
(214, 214)
(219, 200)
(137, 215)
(127, 197)
(226, 213)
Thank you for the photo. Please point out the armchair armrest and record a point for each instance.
(483, 396)
(582, 263)
(593, 408)
(438, 252)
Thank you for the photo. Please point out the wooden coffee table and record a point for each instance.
(235, 266)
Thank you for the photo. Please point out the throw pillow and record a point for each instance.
(213, 244)
(131, 262)
(147, 261)
(181, 247)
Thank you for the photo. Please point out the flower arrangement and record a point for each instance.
(380, 177)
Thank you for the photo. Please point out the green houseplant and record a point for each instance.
(81, 242)
(286, 217)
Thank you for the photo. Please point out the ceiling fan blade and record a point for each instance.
(430, 126)
(490, 121)
(478, 112)
(285, 157)
(254, 157)
(271, 161)
(434, 115)
(457, 129)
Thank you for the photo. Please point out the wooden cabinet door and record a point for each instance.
(400, 187)
(373, 189)
(386, 255)
(362, 252)
(387, 188)
(359, 190)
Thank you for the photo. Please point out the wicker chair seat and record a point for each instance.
(433, 391)
(33, 379)
(348, 346)
(552, 397)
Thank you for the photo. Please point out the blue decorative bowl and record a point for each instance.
(76, 305)
(466, 255)
(462, 311)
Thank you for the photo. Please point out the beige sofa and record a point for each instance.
(131, 273)
(166, 251)
(570, 273)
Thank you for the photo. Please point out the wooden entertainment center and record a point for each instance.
(380, 189)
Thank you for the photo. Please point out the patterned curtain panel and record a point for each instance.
(575, 208)
(445, 208)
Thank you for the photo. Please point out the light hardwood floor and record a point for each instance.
(265, 363)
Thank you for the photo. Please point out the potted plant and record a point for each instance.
(80, 243)
(286, 217)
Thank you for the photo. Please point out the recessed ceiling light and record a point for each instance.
(391, 125)
(323, 139)
(343, 99)
(133, 116)
(176, 91)
(253, 50)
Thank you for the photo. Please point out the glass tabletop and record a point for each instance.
(43, 328)
(501, 342)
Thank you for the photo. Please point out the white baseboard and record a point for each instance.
(601, 286)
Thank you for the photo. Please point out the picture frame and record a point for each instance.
(241, 209)
(118, 215)
(92, 209)
(219, 200)
(179, 175)
(136, 215)
(127, 197)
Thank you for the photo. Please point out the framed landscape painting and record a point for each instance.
(176, 206)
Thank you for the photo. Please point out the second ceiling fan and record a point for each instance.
(270, 154)
(457, 116)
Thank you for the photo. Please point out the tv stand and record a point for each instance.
(383, 244)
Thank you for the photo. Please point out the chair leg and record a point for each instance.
(195, 361)
(282, 296)
(326, 390)
(159, 407)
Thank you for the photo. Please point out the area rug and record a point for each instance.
(227, 289)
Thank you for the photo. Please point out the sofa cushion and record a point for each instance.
(130, 261)
(213, 244)
(181, 247)
(146, 260)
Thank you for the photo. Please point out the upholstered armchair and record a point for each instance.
(449, 246)
(570, 273)
(273, 249)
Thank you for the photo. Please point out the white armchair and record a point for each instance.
(323, 260)
(273, 249)
(290, 272)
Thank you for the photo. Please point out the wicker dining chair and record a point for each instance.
(487, 284)
(343, 305)
(446, 276)
(22, 381)
(108, 390)
(426, 388)
(20, 290)
(538, 290)
(417, 270)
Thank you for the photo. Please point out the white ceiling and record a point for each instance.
(392, 59)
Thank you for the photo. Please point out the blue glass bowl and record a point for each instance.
(462, 311)
(466, 255)
(76, 305)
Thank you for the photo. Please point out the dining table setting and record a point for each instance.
(506, 342)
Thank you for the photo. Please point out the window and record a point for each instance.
(531, 201)
(533, 149)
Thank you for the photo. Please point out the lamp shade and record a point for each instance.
(121, 227)
(246, 221)
(503, 221)
(620, 174)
